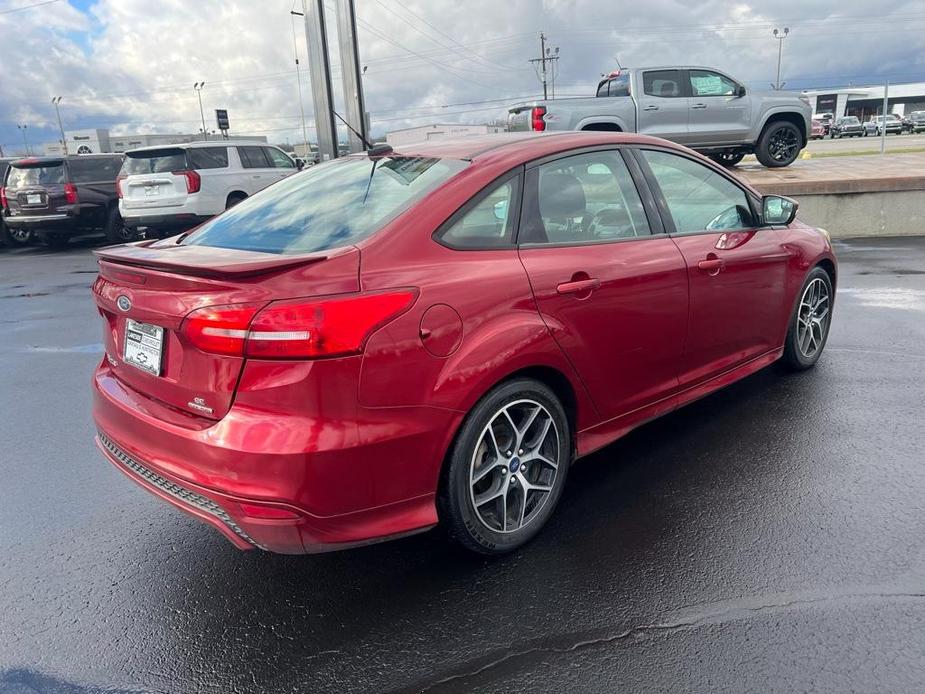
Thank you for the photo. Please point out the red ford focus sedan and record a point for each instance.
(396, 339)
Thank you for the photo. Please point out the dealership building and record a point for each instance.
(101, 141)
(865, 102)
(438, 131)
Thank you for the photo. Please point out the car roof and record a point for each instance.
(201, 143)
(522, 145)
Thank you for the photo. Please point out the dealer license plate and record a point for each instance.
(144, 346)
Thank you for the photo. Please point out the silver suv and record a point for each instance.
(702, 108)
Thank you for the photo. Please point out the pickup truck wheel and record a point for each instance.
(779, 144)
(727, 158)
(116, 230)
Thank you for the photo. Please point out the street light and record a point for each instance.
(57, 100)
(780, 36)
(22, 129)
(198, 87)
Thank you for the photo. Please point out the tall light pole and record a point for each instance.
(198, 87)
(298, 77)
(780, 36)
(57, 100)
(22, 129)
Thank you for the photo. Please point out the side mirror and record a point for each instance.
(740, 91)
(300, 163)
(501, 210)
(777, 210)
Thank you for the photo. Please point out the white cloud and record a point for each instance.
(130, 64)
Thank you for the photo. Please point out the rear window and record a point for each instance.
(207, 157)
(21, 176)
(615, 86)
(327, 206)
(154, 161)
(95, 170)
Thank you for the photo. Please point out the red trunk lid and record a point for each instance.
(160, 283)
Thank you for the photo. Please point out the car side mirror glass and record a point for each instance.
(777, 210)
(501, 210)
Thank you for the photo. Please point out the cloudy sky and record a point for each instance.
(129, 65)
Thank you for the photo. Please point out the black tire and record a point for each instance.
(474, 529)
(116, 230)
(795, 357)
(779, 144)
(15, 237)
(234, 199)
(727, 158)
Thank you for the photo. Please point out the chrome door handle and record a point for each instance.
(651, 107)
(699, 106)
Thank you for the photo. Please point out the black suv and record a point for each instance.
(848, 126)
(60, 197)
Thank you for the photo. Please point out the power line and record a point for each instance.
(28, 7)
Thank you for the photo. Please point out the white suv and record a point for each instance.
(172, 188)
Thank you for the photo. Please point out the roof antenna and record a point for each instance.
(371, 149)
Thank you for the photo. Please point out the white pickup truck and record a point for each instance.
(702, 108)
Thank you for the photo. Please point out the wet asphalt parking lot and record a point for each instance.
(770, 538)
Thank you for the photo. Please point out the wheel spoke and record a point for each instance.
(491, 495)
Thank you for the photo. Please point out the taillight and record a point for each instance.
(3, 198)
(119, 179)
(295, 329)
(536, 118)
(193, 180)
(70, 193)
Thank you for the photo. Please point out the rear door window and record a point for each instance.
(94, 169)
(279, 159)
(22, 176)
(207, 157)
(663, 83)
(154, 161)
(254, 158)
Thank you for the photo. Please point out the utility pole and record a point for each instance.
(198, 87)
(319, 65)
(886, 96)
(350, 74)
(22, 129)
(57, 100)
(547, 55)
(780, 36)
(298, 76)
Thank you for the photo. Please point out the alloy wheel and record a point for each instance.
(514, 466)
(813, 318)
(784, 143)
(21, 235)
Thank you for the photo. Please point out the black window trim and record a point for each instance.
(665, 213)
(684, 83)
(517, 175)
(654, 220)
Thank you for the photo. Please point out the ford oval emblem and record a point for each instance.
(124, 303)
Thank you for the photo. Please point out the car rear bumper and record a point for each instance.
(179, 220)
(241, 476)
(55, 222)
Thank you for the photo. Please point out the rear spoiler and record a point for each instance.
(207, 261)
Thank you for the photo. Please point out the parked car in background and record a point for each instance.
(818, 129)
(827, 119)
(917, 121)
(846, 126)
(258, 375)
(56, 198)
(894, 125)
(168, 189)
(7, 238)
(702, 108)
